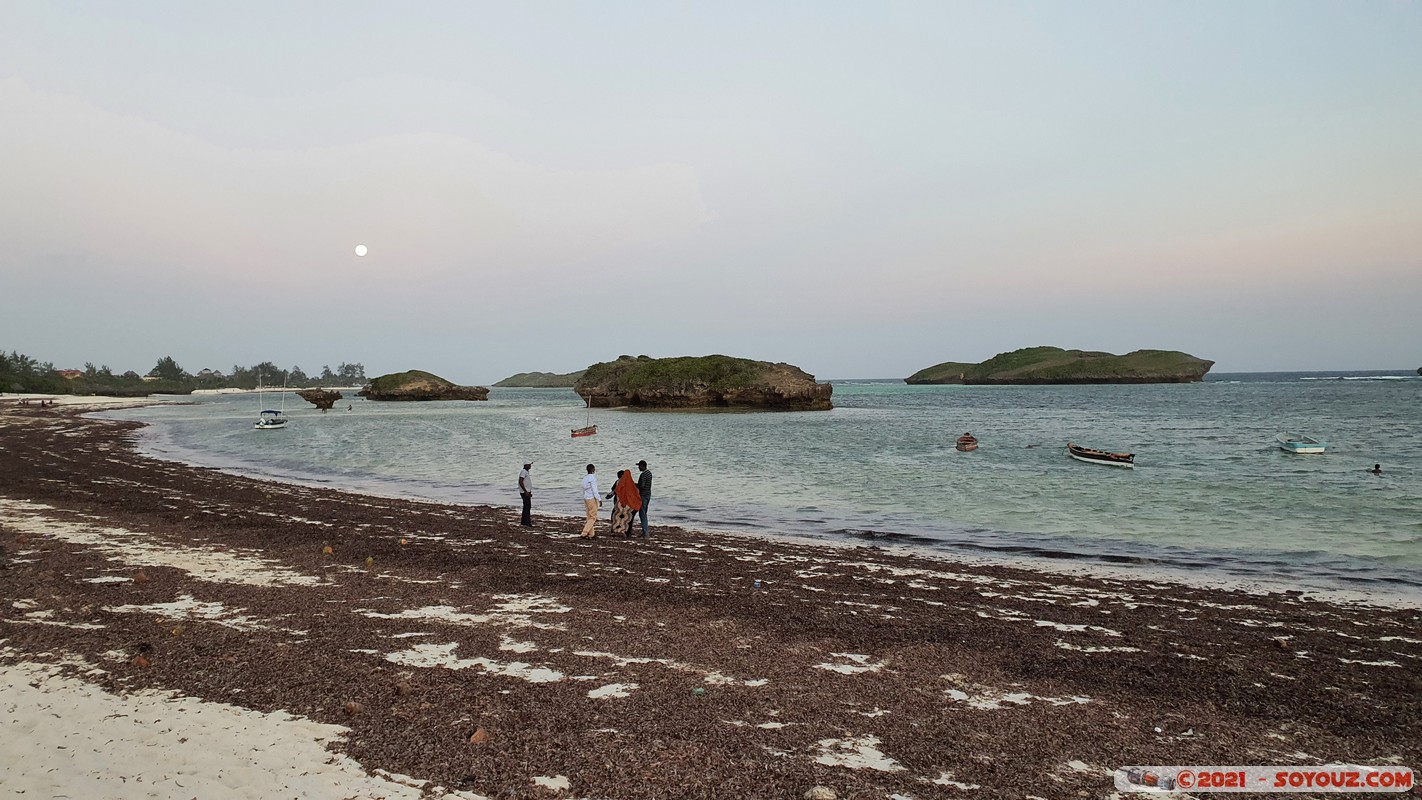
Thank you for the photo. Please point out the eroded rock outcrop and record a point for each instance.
(323, 399)
(420, 385)
(693, 382)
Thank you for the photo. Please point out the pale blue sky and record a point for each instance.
(860, 189)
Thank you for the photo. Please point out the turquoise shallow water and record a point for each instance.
(1210, 493)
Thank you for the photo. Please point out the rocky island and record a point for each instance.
(323, 399)
(693, 382)
(1048, 365)
(419, 385)
(541, 380)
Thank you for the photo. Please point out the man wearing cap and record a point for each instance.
(644, 488)
(525, 490)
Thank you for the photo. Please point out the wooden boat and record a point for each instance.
(967, 443)
(1298, 443)
(588, 428)
(1090, 456)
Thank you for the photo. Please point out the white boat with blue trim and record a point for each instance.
(1298, 443)
(270, 419)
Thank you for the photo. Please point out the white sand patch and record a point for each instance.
(1388, 663)
(186, 607)
(43, 618)
(772, 726)
(510, 615)
(515, 646)
(108, 579)
(442, 655)
(529, 604)
(137, 548)
(1400, 639)
(717, 679)
(623, 661)
(708, 676)
(1065, 628)
(558, 783)
(858, 664)
(945, 778)
(986, 698)
(64, 737)
(858, 753)
(612, 690)
(23, 604)
(1069, 646)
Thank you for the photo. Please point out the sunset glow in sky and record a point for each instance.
(859, 189)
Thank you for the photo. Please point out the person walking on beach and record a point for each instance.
(644, 488)
(590, 503)
(525, 490)
(612, 495)
(628, 503)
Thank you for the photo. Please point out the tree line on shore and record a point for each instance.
(21, 373)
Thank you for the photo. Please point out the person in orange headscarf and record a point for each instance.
(629, 502)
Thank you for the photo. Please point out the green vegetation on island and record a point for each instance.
(714, 381)
(417, 384)
(541, 380)
(1047, 365)
(21, 373)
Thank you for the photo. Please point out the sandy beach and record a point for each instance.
(174, 631)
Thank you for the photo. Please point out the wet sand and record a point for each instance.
(202, 613)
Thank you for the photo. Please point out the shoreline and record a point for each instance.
(652, 668)
(1089, 565)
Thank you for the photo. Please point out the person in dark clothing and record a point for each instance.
(525, 490)
(644, 487)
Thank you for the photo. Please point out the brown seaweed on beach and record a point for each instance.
(865, 670)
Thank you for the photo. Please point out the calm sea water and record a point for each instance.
(1210, 492)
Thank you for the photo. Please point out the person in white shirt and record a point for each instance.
(590, 502)
(525, 489)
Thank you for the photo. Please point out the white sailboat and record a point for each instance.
(269, 419)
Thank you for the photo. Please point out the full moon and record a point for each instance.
(361, 250)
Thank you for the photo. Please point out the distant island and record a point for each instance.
(1048, 365)
(541, 380)
(695, 382)
(419, 385)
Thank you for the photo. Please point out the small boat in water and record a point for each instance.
(1298, 443)
(588, 428)
(1110, 459)
(270, 419)
(967, 443)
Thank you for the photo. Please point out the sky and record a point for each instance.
(859, 189)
